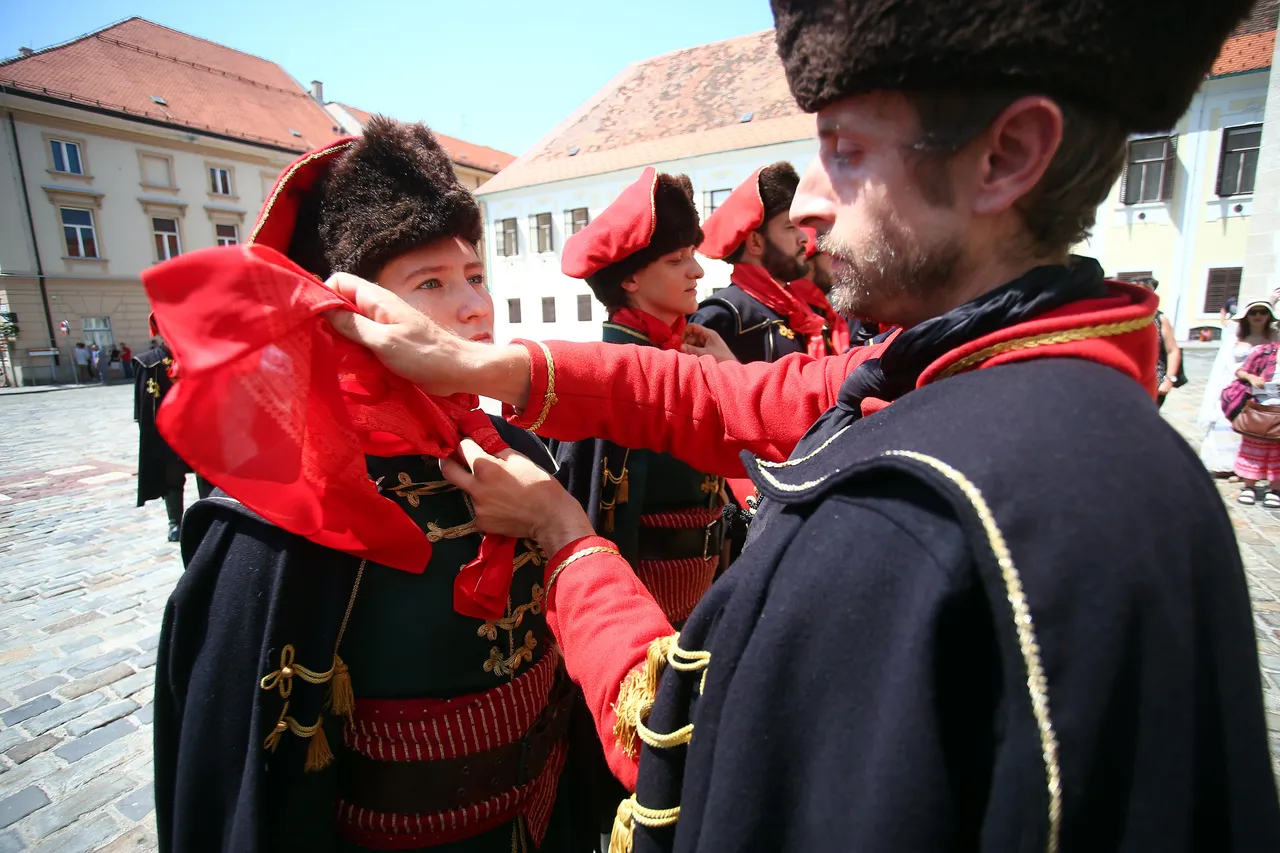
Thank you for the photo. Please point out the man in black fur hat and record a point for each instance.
(990, 601)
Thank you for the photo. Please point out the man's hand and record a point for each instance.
(412, 345)
(699, 340)
(1165, 387)
(514, 497)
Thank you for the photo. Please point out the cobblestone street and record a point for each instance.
(85, 579)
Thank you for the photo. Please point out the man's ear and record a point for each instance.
(629, 284)
(755, 244)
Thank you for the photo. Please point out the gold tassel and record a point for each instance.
(342, 700)
(622, 837)
(638, 690)
(319, 756)
(608, 517)
(624, 488)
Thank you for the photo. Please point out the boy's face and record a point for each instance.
(668, 286)
(445, 281)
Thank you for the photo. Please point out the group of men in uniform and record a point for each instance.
(987, 600)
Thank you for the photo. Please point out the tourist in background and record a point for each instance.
(1169, 354)
(1258, 458)
(1221, 443)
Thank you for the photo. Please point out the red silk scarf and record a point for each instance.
(658, 332)
(279, 411)
(762, 287)
(810, 294)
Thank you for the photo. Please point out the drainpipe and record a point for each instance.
(35, 247)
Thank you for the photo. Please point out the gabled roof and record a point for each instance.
(682, 104)
(463, 153)
(1245, 53)
(204, 86)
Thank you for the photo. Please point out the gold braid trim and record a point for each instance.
(549, 398)
(435, 532)
(575, 557)
(1108, 330)
(630, 813)
(340, 700)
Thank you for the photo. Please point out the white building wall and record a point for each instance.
(531, 276)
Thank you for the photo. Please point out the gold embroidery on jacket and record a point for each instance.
(414, 492)
(489, 630)
(499, 665)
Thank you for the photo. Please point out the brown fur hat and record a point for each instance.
(677, 228)
(777, 188)
(392, 191)
(1138, 60)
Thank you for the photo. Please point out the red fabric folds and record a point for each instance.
(812, 295)
(658, 332)
(272, 406)
(762, 287)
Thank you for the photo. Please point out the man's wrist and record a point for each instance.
(502, 372)
(562, 528)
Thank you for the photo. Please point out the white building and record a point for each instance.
(716, 112)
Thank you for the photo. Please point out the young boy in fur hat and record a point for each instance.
(991, 600)
(346, 664)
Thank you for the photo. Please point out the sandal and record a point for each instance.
(1271, 501)
(1247, 498)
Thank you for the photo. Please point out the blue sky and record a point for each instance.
(495, 72)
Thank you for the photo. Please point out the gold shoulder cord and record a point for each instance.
(341, 700)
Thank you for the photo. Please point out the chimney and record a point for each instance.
(25, 51)
(317, 91)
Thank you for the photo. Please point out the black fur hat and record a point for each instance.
(777, 188)
(677, 228)
(392, 191)
(1138, 60)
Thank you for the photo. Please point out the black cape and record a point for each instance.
(868, 684)
(250, 588)
(158, 465)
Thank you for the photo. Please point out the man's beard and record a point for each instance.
(820, 277)
(891, 277)
(783, 267)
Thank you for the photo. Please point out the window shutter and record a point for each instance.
(1222, 162)
(1124, 176)
(1170, 168)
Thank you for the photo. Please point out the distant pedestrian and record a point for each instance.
(1168, 353)
(1221, 443)
(98, 364)
(82, 363)
(1259, 456)
(126, 360)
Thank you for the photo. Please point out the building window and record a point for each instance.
(227, 235)
(575, 220)
(584, 308)
(513, 310)
(77, 227)
(1224, 284)
(157, 171)
(66, 157)
(1238, 163)
(548, 309)
(715, 198)
(219, 181)
(166, 234)
(1149, 171)
(540, 232)
(97, 330)
(506, 242)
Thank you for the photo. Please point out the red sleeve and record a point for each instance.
(702, 412)
(605, 621)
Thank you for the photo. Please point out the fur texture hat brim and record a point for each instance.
(1138, 60)
(778, 185)
(392, 191)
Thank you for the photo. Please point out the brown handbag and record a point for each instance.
(1258, 421)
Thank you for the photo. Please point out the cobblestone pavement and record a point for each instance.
(85, 578)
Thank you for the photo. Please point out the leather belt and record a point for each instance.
(424, 787)
(661, 543)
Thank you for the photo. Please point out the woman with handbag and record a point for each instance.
(1252, 403)
(1221, 442)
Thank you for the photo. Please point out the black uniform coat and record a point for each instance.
(157, 463)
(249, 589)
(753, 331)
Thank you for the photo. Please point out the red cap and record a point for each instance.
(811, 241)
(624, 228)
(741, 213)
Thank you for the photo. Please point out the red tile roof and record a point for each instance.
(463, 153)
(681, 104)
(1245, 53)
(205, 86)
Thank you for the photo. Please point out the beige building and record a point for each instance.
(124, 148)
